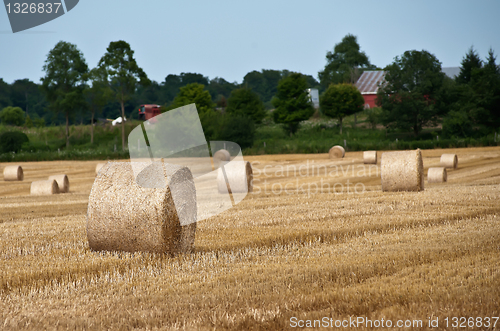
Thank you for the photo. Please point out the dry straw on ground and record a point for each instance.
(98, 167)
(124, 216)
(62, 182)
(437, 175)
(336, 152)
(44, 187)
(370, 157)
(13, 173)
(402, 171)
(239, 176)
(449, 161)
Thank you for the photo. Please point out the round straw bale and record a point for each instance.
(239, 177)
(62, 182)
(125, 216)
(13, 172)
(98, 167)
(220, 157)
(402, 171)
(449, 161)
(370, 157)
(44, 187)
(337, 152)
(436, 175)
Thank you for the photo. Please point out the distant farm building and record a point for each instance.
(368, 84)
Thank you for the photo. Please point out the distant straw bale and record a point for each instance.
(370, 157)
(437, 175)
(125, 216)
(220, 157)
(13, 173)
(62, 182)
(239, 177)
(449, 161)
(44, 187)
(337, 152)
(402, 171)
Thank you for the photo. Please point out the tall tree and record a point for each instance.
(194, 93)
(341, 100)
(412, 95)
(292, 102)
(345, 64)
(97, 95)
(470, 62)
(244, 101)
(65, 76)
(122, 74)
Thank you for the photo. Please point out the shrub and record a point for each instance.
(12, 141)
(12, 116)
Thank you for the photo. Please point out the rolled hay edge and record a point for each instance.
(437, 175)
(62, 182)
(402, 171)
(44, 187)
(336, 152)
(370, 157)
(449, 161)
(98, 167)
(124, 216)
(13, 173)
(239, 177)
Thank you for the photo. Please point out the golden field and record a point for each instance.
(316, 239)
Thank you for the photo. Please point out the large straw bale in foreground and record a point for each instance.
(437, 175)
(370, 157)
(62, 182)
(449, 161)
(13, 172)
(336, 152)
(44, 187)
(402, 171)
(239, 176)
(98, 167)
(125, 216)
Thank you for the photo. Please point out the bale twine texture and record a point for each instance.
(238, 179)
(125, 216)
(98, 167)
(44, 187)
(62, 182)
(336, 152)
(449, 161)
(13, 172)
(437, 175)
(402, 171)
(370, 157)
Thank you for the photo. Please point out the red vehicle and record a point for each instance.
(147, 112)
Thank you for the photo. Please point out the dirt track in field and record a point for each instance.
(317, 238)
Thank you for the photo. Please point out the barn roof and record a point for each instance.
(369, 81)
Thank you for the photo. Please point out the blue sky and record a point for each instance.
(231, 38)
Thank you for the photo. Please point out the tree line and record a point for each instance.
(415, 93)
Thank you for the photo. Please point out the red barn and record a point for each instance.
(368, 84)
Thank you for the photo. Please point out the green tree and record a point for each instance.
(345, 64)
(12, 116)
(341, 100)
(470, 62)
(245, 102)
(97, 94)
(65, 76)
(292, 103)
(12, 141)
(122, 74)
(194, 93)
(28, 122)
(412, 96)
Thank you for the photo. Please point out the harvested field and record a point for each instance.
(316, 238)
